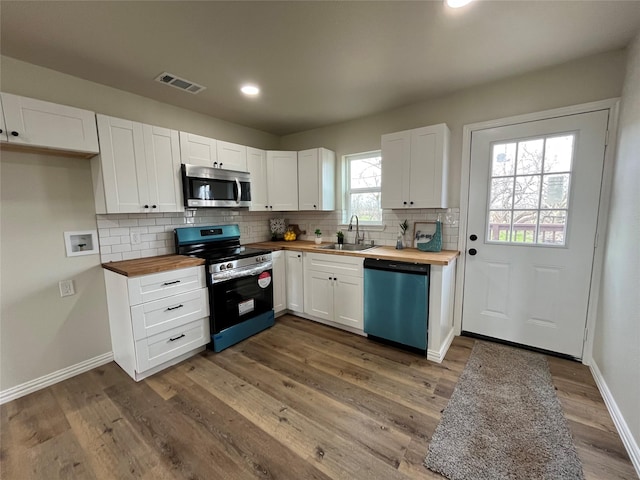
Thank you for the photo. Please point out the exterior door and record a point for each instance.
(533, 205)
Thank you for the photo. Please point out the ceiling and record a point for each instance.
(317, 62)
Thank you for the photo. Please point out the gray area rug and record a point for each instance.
(504, 421)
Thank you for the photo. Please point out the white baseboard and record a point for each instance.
(54, 377)
(621, 425)
(438, 355)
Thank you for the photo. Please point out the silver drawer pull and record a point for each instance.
(175, 308)
(171, 283)
(176, 338)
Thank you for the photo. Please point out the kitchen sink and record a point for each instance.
(347, 247)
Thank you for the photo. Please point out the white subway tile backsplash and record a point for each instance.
(157, 230)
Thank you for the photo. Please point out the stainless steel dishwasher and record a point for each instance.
(396, 302)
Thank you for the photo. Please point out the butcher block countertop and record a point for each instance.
(412, 255)
(147, 265)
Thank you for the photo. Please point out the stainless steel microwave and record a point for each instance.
(215, 187)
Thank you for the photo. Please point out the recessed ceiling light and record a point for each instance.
(457, 3)
(250, 90)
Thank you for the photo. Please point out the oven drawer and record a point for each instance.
(155, 317)
(158, 349)
(164, 284)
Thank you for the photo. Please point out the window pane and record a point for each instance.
(499, 226)
(501, 193)
(555, 191)
(366, 173)
(503, 159)
(524, 226)
(558, 154)
(553, 227)
(530, 156)
(366, 206)
(527, 192)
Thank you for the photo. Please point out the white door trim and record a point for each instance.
(612, 105)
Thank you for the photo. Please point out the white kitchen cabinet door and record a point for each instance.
(198, 150)
(257, 167)
(232, 156)
(429, 167)
(316, 179)
(396, 158)
(295, 281)
(36, 123)
(282, 180)
(162, 154)
(3, 128)
(349, 301)
(123, 166)
(279, 281)
(318, 294)
(415, 168)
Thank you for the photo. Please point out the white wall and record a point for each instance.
(593, 78)
(41, 196)
(616, 350)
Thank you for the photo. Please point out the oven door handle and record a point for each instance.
(239, 186)
(250, 271)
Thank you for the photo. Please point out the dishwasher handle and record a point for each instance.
(399, 267)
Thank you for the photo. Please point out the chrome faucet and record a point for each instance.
(358, 239)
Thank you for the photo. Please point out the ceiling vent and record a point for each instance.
(177, 82)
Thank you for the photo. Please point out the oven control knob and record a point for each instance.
(222, 267)
(258, 259)
(229, 265)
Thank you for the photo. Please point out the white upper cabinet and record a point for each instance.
(138, 170)
(257, 167)
(162, 155)
(231, 156)
(316, 179)
(282, 180)
(35, 123)
(197, 150)
(415, 168)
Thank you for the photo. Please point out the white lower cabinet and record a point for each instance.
(334, 289)
(279, 281)
(157, 320)
(295, 279)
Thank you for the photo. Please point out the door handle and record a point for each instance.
(239, 190)
(472, 251)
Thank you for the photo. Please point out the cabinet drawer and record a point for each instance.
(155, 317)
(161, 348)
(161, 285)
(335, 264)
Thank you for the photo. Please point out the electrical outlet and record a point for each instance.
(135, 238)
(66, 288)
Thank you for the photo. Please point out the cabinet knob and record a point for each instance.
(404, 203)
(411, 203)
(1, 131)
(146, 206)
(266, 206)
(473, 237)
(14, 133)
(315, 206)
(220, 164)
(154, 206)
(472, 251)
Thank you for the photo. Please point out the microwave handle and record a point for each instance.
(239, 197)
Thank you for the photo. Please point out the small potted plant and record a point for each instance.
(403, 229)
(340, 236)
(318, 239)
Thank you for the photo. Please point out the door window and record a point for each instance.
(529, 190)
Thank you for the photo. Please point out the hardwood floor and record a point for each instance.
(298, 401)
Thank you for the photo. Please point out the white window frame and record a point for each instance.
(348, 191)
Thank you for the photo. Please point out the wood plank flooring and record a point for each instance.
(298, 401)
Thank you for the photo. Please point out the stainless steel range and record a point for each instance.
(240, 281)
